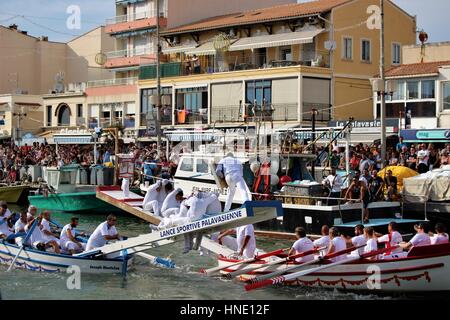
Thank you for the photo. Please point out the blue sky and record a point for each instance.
(48, 17)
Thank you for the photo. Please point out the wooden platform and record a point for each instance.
(132, 204)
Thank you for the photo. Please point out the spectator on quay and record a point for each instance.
(423, 157)
(400, 145)
(376, 187)
(444, 159)
(411, 160)
(433, 160)
(391, 180)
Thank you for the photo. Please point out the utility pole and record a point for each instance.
(158, 79)
(313, 119)
(382, 96)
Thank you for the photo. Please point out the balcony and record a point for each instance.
(274, 112)
(112, 87)
(130, 57)
(209, 65)
(135, 21)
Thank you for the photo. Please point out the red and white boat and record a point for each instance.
(425, 268)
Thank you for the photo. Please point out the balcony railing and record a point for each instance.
(135, 16)
(248, 112)
(112, 82)
(323, 111)
(129, 52)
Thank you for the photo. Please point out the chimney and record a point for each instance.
(13, 27)
(44, 38)
(24, 32)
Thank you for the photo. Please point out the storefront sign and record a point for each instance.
(365, 123)
(432, 135)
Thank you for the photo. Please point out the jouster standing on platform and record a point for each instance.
(232, 170)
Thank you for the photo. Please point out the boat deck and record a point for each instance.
(132, 204)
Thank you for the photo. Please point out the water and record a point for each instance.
(146, 282)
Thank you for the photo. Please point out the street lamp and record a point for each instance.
(20, 116)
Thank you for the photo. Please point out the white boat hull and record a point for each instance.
(410, 274)
(49, 262)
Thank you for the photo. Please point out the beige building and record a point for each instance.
(33, 65)
(274, 62)
(20, 115)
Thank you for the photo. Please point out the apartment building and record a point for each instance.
(420, 96)
(274, 64)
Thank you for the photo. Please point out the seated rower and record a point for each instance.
(371, 242)
(336, 244)
(47, 234)
(5, 223)
(19, 226)
(245, 239)
(358, 240)
(4, 208)
(302, 244)
(324, 241)
(441, 236)
(36, 239)
(391, 239)
(172, 203)
(420, 239)
(68, 239)
(105, 232)
(32, 211)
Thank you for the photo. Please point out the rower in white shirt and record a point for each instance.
(440, 237)
(323, 241)
(334, 183)
(47, 235)
(371, 242)
(391, 239)
(68, 238)
(336, 244)
(245, 240)
(4, 207)
(358, 240)
(303, 244)
(5, 224)
(105, 232)
(420, 239)
(32, 211)
(19, 227)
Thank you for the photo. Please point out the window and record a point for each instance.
(147, 106)
(396, 53)
(259, 92)
(365, 50)
(422, 109)
(400, 93)
(347, 49)
(64, 115)
(202, 166)
(446, 96)
(79, 111)
(49, 116)
(187, 165)
(286, 53)
(428, 90)
(412, 90)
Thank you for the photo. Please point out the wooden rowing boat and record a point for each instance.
(35, 260)
(12, 194)
(424, 268)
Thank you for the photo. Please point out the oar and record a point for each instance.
(300, 266)
(167, 263)
(212, 271)
(247, 270)
(30, 232)
(302, 273)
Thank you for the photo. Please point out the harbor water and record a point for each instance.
(147, 282)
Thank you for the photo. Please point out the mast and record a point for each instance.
(158, 79)
(382, 96)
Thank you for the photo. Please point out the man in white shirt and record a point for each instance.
(391, 239)
(358, 240)
(420, 239)
(336, 244)
(334, 183)
(47, 235)
(32, 211)
(151, 199)
(323, 241)
(5, 223)
(440, 237)
(68, 239)
(232, 170)
(245, 240)
(303, 244)
(172, 203)
(105, 232)
(423, 156)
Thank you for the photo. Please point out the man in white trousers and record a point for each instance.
(232, 170)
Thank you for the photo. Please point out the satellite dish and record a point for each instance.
(222, 42)
(100, 59)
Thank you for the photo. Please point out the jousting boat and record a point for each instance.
(423, 269)
(117, 257)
